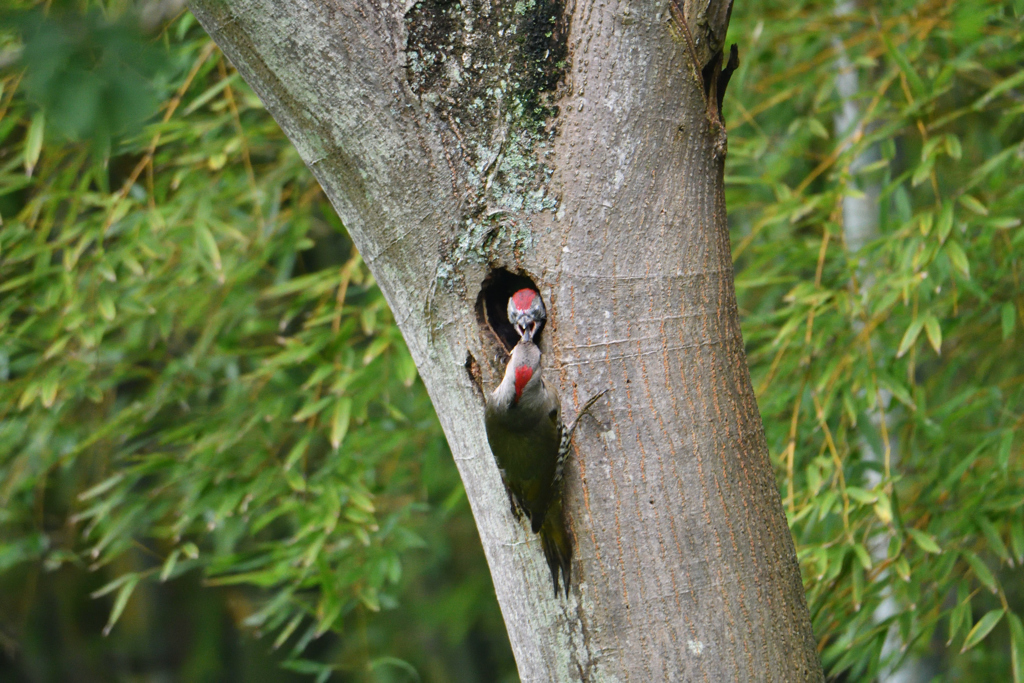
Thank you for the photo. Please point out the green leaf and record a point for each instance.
(406, 368)
(1005, 449)
(945, 224)
(959, 616)
(903, 568)
(210, 93)
(120, 601)
(295, 480)
(368, 596)
(111, 586)
(34, 141)
(209, 245)
(1016, 647)
(896, 54)
(48, 389)
(924, 541)
(305, 666)
(925, 222)
(883, 509)
(56, 347)
(1008, 315)
(288, 630)
(102, 487)
(973, 205)
(958, 258)
(910, 336)
(953, 147)
(297, 451)
(860, 495)
(169, 564)
(376, 347)
(328, 612)
(931, 326)
(814, 480)
(362, 501)
(340, 421)
(1003, 222)
(923, 171)
(397, 663)
(368, 319)
(928, 149)
(981, 570)
(272, 607)
(27, 396)
(992, 535)
(310, 409)
(982, 629)
(105, 304)
(862, 555)
(999, 88)
(857, 584)
(1017, 540)
(817, 128)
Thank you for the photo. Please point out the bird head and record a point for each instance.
(526, 313)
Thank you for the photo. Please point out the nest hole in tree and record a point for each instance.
(492, 304)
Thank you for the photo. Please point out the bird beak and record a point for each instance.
(527, 332)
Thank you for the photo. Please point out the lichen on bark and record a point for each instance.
(490, 72)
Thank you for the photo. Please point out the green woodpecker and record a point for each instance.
(530, 442)
(526, 313)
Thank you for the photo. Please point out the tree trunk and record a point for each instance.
(576, 147)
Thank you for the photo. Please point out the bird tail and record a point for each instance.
(557, 545)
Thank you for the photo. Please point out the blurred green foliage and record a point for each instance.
(202, 384)
(874, 189)
(93, 78)
(209, 422)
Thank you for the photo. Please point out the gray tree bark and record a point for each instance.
(578, 145)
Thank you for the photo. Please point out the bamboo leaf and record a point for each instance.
(288, 630)
(209, 245)
(916, 84)
(120, 601)
(297, 451)
(953, 147)
(924, 541)
(931, 326)
(982, 629)
(958, 619)
(973, 205)
(34, 141)
(981, 570)
(992, 535)
(1008, 316)
(169, 564)
(311, 409)
(958, 258)
(945, 224)
(1017, 540)
(1016, 647)
(340, 421)
(999, 88)
(102, 487)
(910, 336)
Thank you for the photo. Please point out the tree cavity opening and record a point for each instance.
(492, 304)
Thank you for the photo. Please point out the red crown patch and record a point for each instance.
(523, 298)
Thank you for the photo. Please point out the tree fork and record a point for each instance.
(575, 145)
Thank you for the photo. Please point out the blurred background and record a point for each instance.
(217, 462)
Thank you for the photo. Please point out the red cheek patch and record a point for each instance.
(523, 375)
(523, 298)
